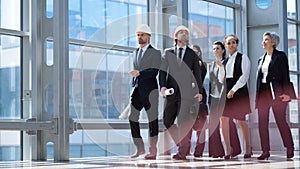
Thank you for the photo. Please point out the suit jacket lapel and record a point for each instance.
(260, 62)
(273, 60)
(146, 55)
(135, 53)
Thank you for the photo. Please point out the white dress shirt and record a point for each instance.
(245, 70)
(144, 50)
(265, 68)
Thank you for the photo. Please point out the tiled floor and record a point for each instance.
(276, 161)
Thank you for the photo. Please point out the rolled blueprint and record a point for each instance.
(169, 91)
(125, 112)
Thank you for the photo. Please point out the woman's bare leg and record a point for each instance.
(245, 131)
(226, 135)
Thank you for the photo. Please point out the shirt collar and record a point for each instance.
(145, 48)
(184, 47)
(233, 56)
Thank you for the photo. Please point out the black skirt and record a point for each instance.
(238, 106)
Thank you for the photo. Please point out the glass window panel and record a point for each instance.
(99, 82)
(209, 24)
(295, 134)
(137, 15)
(103, 21)
(95, 143)
(10, 77)
(49, 54)
(49, 8)
(10, 14)
(86, 18)
(292, 47)
(10, 146)
(120, 29)
(291, 9)
(293, 105)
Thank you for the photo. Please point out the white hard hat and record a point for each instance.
(143, 28)
(179, 28)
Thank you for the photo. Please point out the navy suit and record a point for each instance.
(180, 76)
(145, 95)
(278, 77)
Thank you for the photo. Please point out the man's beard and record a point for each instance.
(142, 42)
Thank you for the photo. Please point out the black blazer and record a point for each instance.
(173, 74)
(149, 66)
(278, 73)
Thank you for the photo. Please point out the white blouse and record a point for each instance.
(245, 70)
(265, 67)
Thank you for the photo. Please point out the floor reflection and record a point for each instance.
(276, 161)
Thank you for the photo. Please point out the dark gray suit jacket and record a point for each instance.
(180, 76)
(149, 66)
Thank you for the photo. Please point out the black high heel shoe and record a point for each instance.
(263, 156)
(217, 156)
(235, 154)
(248, 155)
(227, 157)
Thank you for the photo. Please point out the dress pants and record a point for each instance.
(215, 146)
(200, 132)
(151, 106)
(279, 111)
(180, 132)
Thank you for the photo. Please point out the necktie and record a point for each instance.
(180, 54)
(139, 57)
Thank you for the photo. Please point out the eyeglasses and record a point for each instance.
(216, 48)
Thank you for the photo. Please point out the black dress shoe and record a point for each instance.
(179, 157)
(263, 156)
(290, 152)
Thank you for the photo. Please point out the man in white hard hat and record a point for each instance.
(146, 63)
(179, 70)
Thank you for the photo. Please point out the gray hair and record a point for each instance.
(274, 36)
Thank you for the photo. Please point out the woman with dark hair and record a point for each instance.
(272, 90)
(216, 100)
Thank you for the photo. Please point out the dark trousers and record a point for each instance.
(265, 102)
(138, 102)
(180, 132)
(215, 146)
(198, 127)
